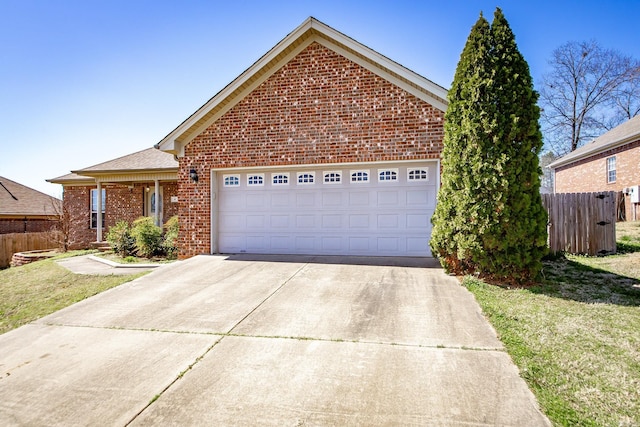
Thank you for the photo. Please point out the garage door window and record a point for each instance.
(334, 177)
(387, 175)
(280, 179)
(418, 175)
(359, 176)
(306, 178)
(232, 180)
(257, 179)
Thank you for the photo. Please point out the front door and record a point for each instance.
(152, 203)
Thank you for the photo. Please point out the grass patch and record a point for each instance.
(32, 291)
(576, 336)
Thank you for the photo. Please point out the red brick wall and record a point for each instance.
(122, 204)
(591, 174)
(319, 108)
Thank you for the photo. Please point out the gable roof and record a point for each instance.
(624, 133)
(147, 160)
(311, 30)
(19, 200)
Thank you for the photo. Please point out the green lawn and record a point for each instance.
(34, 290)
(576, 336)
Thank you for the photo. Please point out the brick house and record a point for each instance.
(610, 162)
(322, 146)
(25, 210)
(128, 186)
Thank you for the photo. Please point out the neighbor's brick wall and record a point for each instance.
(122, 204)
(29, 225)
(590, 174)
(318, 108)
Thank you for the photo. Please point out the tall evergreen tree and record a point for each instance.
(489, 218)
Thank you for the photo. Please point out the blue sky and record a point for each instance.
(82, 82)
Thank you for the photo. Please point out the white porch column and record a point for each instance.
(156, 214)
(99, 213)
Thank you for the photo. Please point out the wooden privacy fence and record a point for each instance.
(581, 223)
(20, 242)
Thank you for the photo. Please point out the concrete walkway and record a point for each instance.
(267, 341)
(91, 264)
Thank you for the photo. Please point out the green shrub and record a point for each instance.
(120, 239)
(171, 238)
(148, 237)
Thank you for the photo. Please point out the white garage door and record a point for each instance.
(373, 210)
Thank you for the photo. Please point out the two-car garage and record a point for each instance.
(365, 209)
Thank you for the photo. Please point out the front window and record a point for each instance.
(94, 207)
(611, 169)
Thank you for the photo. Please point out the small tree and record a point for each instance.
(489, 219)
(121, 240)
(171, 237)
(148, 237)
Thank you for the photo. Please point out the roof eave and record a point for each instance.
(560, 162)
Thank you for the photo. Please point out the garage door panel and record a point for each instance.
(332, 199)
(332, 221)
(305, 199)
(348, 218)
(358, 198)
(305, 221)
(388, 221)
(280, 200)
(280, 221)
(359, 221)
(255, 221)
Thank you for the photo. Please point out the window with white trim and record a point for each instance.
(255, 179)
(418, 175)
(231, 180)
(386, 175)
(611, 169)
(280, 179)
(94, 207)
(360, 176)
(333, 177)
(306, 177)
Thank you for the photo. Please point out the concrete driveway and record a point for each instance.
(289, 341)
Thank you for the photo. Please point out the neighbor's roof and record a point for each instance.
(147, 160)
(309, 32)
(19, 200)
(628, 131)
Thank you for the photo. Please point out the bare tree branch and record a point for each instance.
(589, 90)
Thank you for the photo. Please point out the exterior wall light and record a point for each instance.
(193, 174)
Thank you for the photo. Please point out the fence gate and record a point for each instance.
(581, 223)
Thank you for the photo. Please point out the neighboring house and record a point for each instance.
(25, 210)
(611, 162)
(323, 146)
(128, 186)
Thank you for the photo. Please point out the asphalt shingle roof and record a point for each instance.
(18, 199)
(149, 159)
(623, 133)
